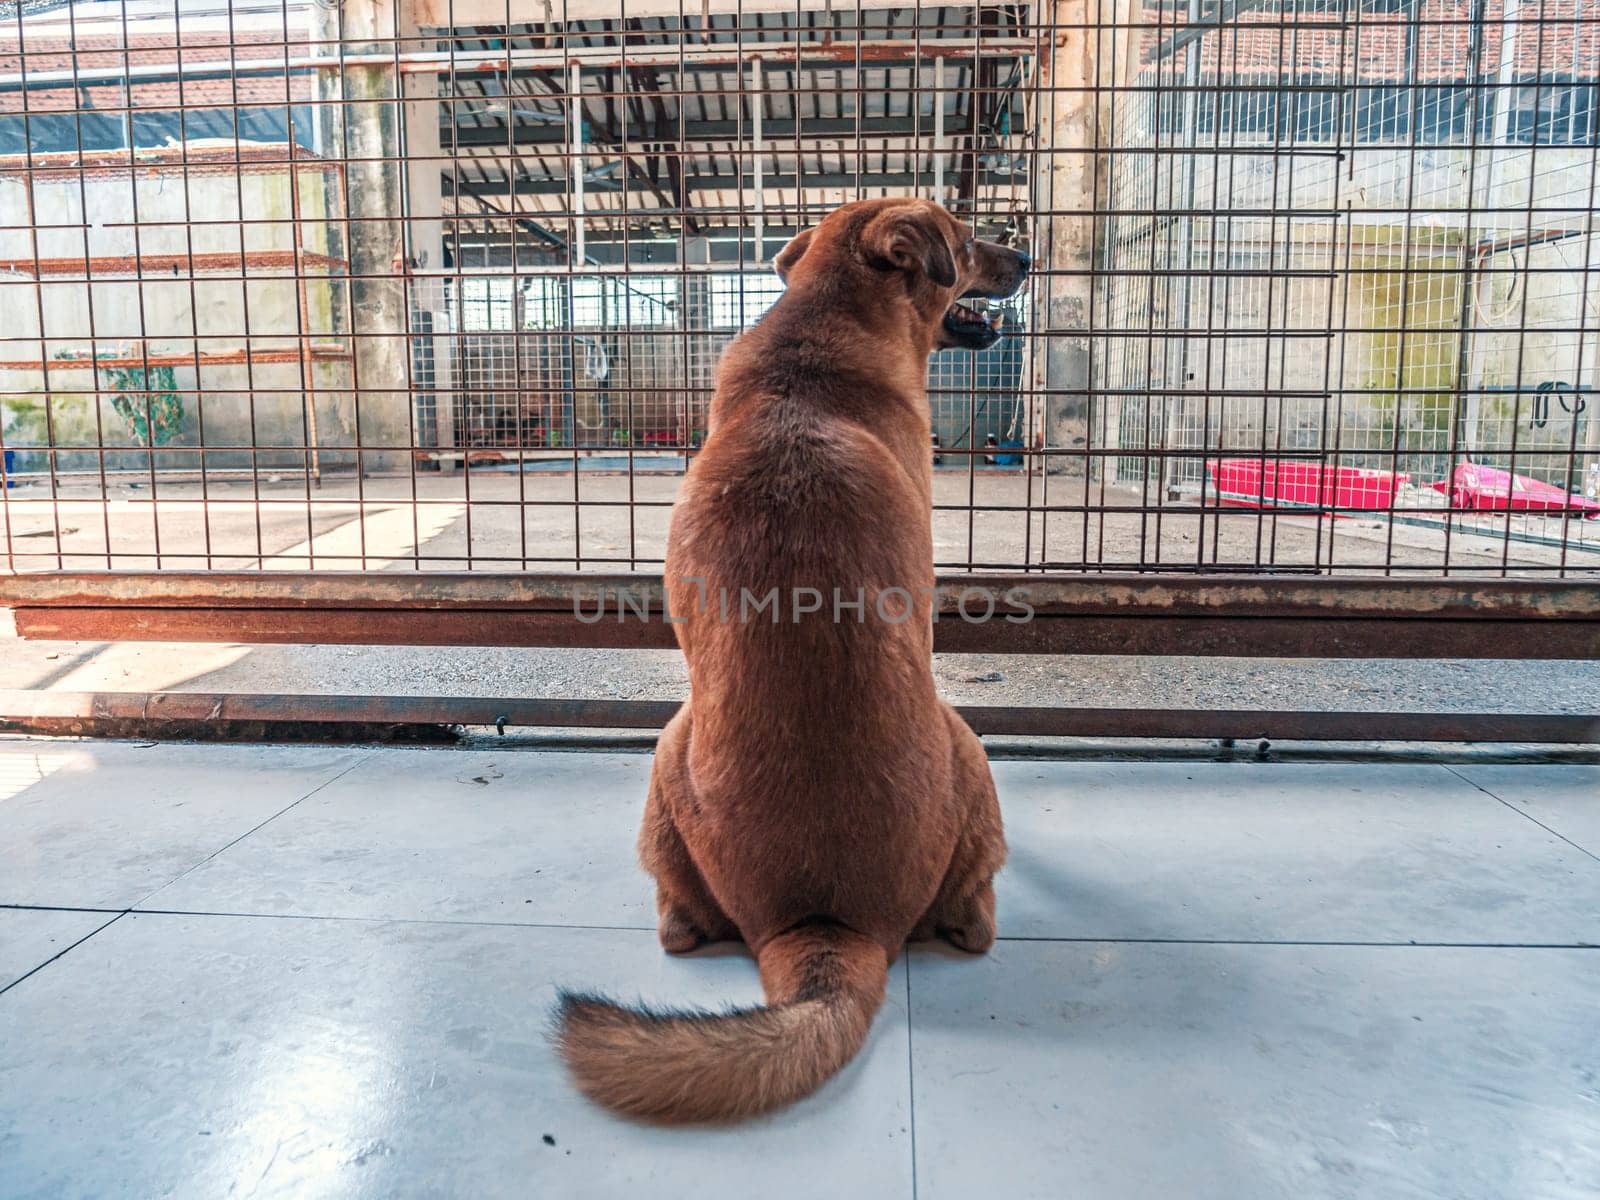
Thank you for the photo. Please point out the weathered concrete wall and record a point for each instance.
(1375, 184)
(1399, 376)
(65, 316)
(1537, 326)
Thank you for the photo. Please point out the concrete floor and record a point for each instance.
(275, 971)
(492, 520)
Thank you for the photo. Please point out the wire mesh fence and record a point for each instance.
(1350, 256)
(442, 285)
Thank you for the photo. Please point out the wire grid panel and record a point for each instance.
(436, 286)
(1347, 270)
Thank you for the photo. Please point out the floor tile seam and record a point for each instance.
(454, 922)
(1310, 943)
(117, 916)
(1005, 939)
(1521, 812)
(911, 1078)
(299, 800)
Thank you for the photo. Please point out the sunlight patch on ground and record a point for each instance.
(20, 770)
(371, 542)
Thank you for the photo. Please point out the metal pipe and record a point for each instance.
(576, 168)
(537, 59)
(758, 152)
(1239, 596)
(938, 129)
(264, 717)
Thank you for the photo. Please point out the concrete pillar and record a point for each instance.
(379, 316)
(1068, 135)
(425, 240)
(1588, 481)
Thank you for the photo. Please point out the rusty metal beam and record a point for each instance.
(159, 265)
(443, 63)
(1244, 596)
(231, 716)
(1243, 616)
(320, 351)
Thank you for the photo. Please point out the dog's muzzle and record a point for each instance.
(974, 321)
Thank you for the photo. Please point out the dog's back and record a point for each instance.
(819, 730)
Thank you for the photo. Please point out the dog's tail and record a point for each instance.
(823, 983)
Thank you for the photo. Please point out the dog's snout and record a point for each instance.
(1011, 269)
(1001, 269)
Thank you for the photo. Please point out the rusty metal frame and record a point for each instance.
(1255, 616)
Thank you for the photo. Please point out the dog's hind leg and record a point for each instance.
(963, 911)
(687, 914)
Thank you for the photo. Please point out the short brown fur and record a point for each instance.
(814, 796)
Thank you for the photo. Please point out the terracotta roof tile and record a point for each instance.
(57, 54)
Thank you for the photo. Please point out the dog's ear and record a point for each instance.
(910, 239)
(790, 254)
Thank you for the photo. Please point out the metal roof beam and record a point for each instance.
(492, 13)
(704, 131)
(556, 186)
(445, 64)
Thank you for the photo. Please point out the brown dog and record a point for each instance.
(815, 796)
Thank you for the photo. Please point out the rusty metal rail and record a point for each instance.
(1241, 616)
(438, 719)
(1246, 616)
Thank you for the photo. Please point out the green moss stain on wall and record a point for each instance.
(30, 422)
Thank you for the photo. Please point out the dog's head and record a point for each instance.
(915, 250)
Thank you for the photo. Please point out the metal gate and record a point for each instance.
(430, 287)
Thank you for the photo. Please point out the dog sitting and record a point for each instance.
(814, 796)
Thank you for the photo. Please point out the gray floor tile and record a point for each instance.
(448, 834)
(213, 1056)
(29, 937)
(1295, 851)
(1107, 1071)
(1564, 797)
(103, 824)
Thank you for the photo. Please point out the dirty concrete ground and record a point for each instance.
(495, 520)
(1090, 681)
(500, 521)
